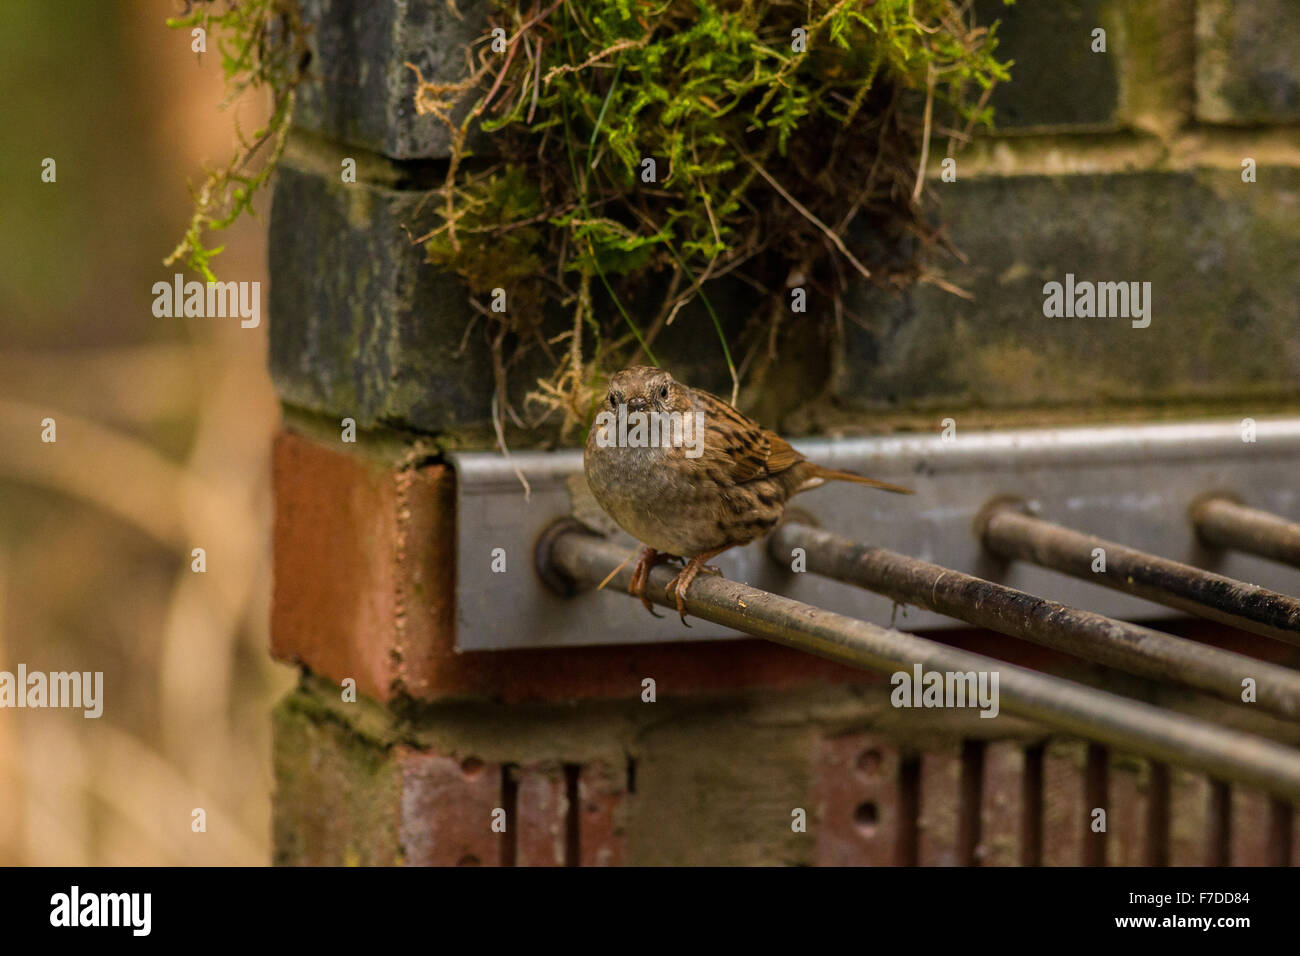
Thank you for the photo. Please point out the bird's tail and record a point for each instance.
(832, 474)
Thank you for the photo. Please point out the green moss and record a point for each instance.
(262, 45)
(335, 789)
(771, 126)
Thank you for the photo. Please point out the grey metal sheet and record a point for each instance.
(1131, 483)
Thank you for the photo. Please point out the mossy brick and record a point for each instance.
(361, 326)
(716, 780)
(336, 794)
(359, 91)
(1247, 61)
(1056, 80)
(715, 789)
(345, 799)
(1225, 301)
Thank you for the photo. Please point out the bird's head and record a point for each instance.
(646, 389)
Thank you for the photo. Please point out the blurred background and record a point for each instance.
(163, 431)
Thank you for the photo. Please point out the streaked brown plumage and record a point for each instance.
(694, 507)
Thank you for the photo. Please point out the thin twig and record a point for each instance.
(537, 85)
(925, 135)
(799, 207)
(594, 58)
(499, 427)
(610, 577)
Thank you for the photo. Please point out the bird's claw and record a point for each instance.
(677, 586)
(641, 575)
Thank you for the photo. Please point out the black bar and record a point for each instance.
(1095, 637)
(1225, 523)
(1012, 534)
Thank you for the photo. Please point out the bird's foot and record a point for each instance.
(648, 558)
(678, 585)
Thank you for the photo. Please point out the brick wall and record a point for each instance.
(1123, 165)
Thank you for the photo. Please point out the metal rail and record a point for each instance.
(584, 560)
(1226, 523)
(1011, 533)
(1094, 637)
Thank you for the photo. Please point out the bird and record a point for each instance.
(689, 476)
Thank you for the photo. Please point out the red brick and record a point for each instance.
(854, 812)
(1188, 801)
(1002, 806)
(542, 816)
(354, 542)
(1250, 828)
(939, 821)
(1126, 815)
(602, 819)
(446, 809)
(1064, 817)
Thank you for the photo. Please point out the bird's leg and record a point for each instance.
(678, 585)
(648, 558)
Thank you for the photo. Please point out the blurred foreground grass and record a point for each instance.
(164, 428)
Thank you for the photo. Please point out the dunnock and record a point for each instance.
(689, 476)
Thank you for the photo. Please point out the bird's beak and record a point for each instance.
(636, 404)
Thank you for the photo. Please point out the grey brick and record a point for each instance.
(1248, 61)
(360, 93)
(1057, 81)
(1220, 255)
(360, 325)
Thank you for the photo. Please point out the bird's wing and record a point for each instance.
(739, 446)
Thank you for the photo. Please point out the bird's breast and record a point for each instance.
(651, 498)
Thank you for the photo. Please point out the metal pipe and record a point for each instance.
(1010, 533)
(1226, 523)
(1095, 637)
(1127, 724)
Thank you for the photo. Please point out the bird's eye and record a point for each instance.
(663, 392)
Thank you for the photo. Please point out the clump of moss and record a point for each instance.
(262, 45)
(773, 125)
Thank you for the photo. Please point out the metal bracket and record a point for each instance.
(1132, 483)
